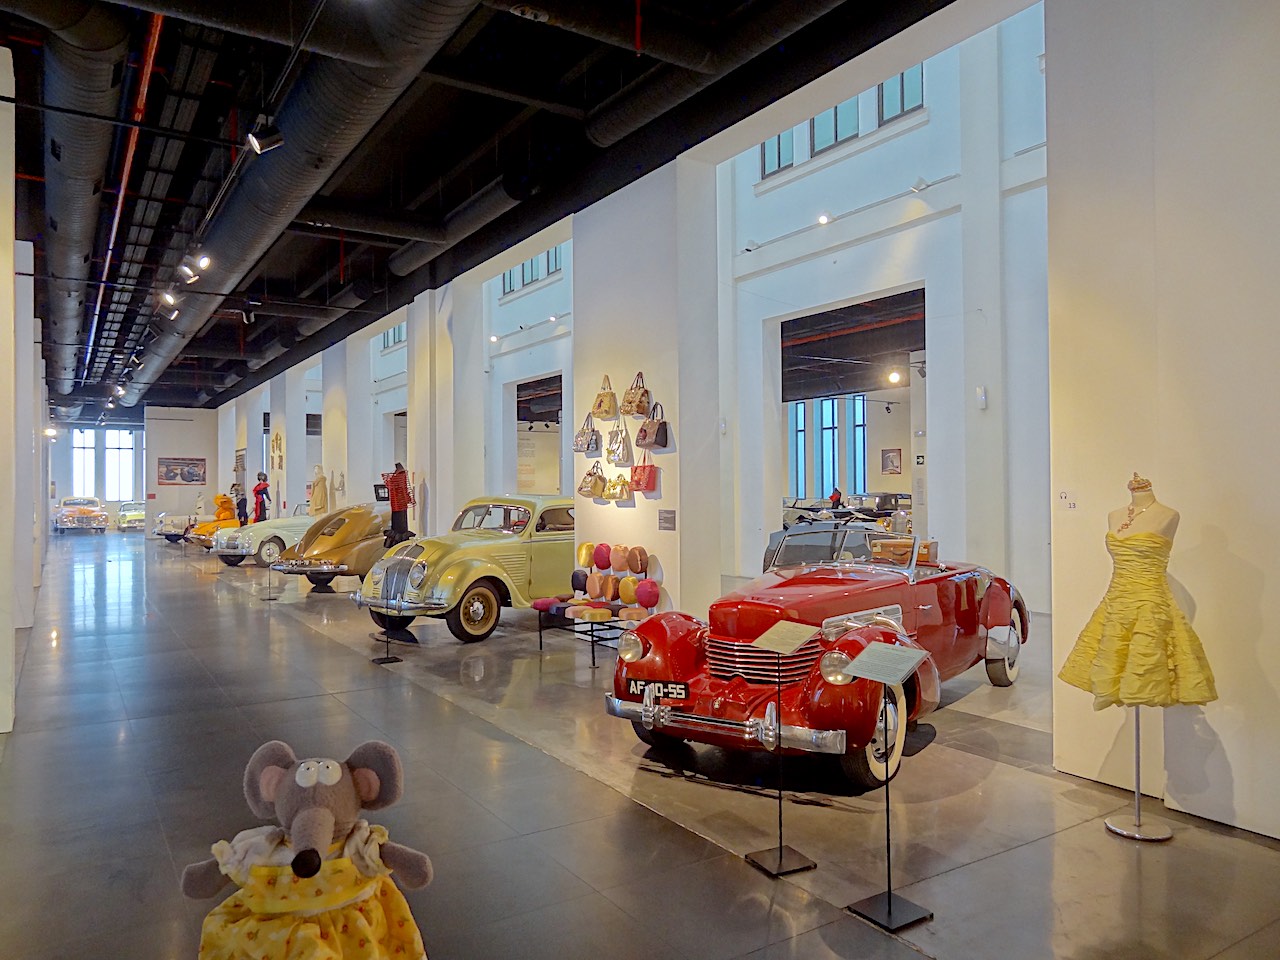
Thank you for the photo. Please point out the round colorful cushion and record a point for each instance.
(601, 556)
(627, 589)
(610, 588)
(618, 557)
(595, 585)
(576, 612)
(647, 593)
(545, 603)
(632, 613)
(597, 615)
(579, 581)
(638, 560)
(586, 552)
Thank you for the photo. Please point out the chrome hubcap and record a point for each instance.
(270, 552)
(476, 610)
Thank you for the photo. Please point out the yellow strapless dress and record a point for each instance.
(1138, 649)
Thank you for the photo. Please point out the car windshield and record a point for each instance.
(80, 502)
(847, 546)
(128, 507)
(493, 516)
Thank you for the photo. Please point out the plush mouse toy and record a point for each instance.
(319, 884)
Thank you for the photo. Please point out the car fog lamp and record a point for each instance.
(417, 574)
(835, 667)
(630, 647)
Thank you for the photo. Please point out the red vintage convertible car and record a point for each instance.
(680, 679)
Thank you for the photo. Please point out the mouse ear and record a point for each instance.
(383, 762)
(266, 769)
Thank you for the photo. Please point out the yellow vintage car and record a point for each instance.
(132, 515)
(80, 513)
(224, 516)
(502, 552)
(345, 543)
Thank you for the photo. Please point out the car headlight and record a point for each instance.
(835, 667)
(630, 647)
(417, 573)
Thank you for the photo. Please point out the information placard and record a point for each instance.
(785, 636)
(886, 662)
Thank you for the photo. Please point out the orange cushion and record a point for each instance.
(632, 613)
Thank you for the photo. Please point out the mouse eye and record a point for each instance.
(308, 773)
(329, 772)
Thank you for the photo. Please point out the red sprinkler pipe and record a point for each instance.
(131, 145)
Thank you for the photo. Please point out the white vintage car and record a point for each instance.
(174, 526)
(80, 513)
(263, 541)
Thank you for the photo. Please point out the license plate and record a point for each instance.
(669, 689)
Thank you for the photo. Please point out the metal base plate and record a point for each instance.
(381, 660)
(1155, 831)
(780, 861)
(888, 911)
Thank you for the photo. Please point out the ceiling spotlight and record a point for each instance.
(203, 261)
(265, 136)
(823, 218)
(552, 319)
(118, 390)
(920, 370)
(169, 298)
(111, 404)
(493, 338)
(50, 431)
(894, 376)
(920, 185)
(888, 408)
(170, 314)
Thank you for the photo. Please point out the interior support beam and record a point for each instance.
(489, 89)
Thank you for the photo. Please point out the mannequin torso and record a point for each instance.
(1144, 514)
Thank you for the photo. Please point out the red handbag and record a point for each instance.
(644, 475)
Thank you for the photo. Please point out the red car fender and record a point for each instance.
(853, 706)
(998, 603)
(674, 642)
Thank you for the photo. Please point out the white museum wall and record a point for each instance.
(180, 432)
(1161, 287)
(889, 431)
(8, 420)
(29, 418)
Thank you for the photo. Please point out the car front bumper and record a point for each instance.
(399, 605)
(314, 567)
(764, 733)
(132, 525)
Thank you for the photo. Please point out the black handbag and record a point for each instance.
(653, 432)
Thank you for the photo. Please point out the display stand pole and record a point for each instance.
(387, 657)
(270, 589)
(780, 860)
(1132, 828)
(887, 910)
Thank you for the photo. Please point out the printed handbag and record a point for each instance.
(593, 482)
(619, 488)
(635, 402)
(606, 405)
(619, 451)
(587, 439)
(644, 475)
(653, 432)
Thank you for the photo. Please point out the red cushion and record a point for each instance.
(602, 556)
(647, 593)
(545, 603)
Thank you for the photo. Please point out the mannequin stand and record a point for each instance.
(1132, 827)
(387, 657)
(270, 589)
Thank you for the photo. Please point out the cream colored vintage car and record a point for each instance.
(502, 552)
(264, 541)
(80, 513)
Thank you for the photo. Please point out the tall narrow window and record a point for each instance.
(82, 462)
(777, 153)
(554, 263)
(902, 94)
(833, 126)
(509, 282)
(828, 445)
(395, 335)
(799, 453)
(118, 465)
(858, 444)
(531, 270)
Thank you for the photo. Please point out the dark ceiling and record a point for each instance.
(421, 138)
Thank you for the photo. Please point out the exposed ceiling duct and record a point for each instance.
(487, 206)
(83, 66)
(322, 213)
(328, 111)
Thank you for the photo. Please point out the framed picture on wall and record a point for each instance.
(181, 471)
(891, 461)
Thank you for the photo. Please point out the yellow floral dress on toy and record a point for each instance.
(1138, 649)
(351, 908)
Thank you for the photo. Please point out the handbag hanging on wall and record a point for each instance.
(587, 439)
(644, 475)
(653, 432)
(619, 488)
(593, 482)
(619, 451)
(606, 405)
(635, 402)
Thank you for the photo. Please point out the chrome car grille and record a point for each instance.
(731, 658)
(84, 521)
(395, 577)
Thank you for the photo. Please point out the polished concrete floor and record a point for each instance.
(153, 673)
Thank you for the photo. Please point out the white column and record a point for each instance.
(29, 421)
(362, 471)
(249, 410)
(8, 676)
(419, 333)
(289, 474)
(645, 276)
(333, 421)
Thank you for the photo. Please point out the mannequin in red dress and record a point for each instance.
(261, 497)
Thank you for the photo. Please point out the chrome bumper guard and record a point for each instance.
(232, 551)
(765, 732)
(399, 604)
(303, 567)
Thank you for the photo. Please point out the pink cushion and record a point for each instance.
(647, 593)
(545, 603)
(602, 556)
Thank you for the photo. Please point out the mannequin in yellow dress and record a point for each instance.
(1138, 649)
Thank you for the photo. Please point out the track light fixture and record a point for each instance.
(111, 404)
(888, 408)
(50, 431)
(895, 376)
(118, 390)
(265, 136)
(169, 298)
(170, 315)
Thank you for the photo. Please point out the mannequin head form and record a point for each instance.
(1140, 489)
(318, 472)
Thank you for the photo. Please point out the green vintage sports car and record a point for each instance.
(503, 551)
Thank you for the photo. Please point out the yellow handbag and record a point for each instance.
(593, 483)
(635, 402)
(606, 405)
(619, 488)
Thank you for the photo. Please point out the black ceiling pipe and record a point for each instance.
(482, 209)
(83, 66)
(330, 108)
(404, 226)
(335, 34)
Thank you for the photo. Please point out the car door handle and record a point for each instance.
(924, 606)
